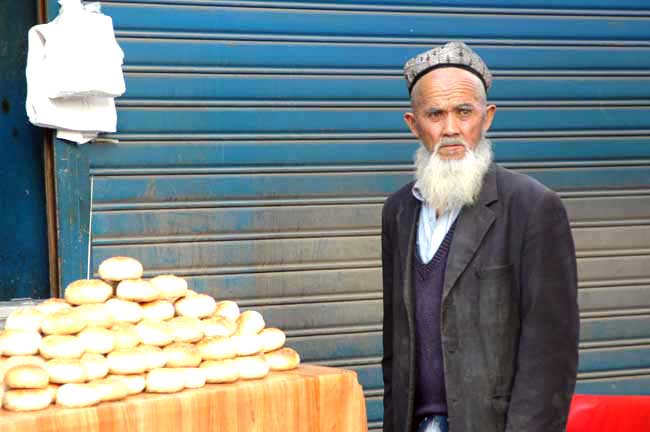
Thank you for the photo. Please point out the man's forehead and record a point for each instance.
(448, 85)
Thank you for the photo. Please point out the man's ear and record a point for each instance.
(409, 119)
(490, 110)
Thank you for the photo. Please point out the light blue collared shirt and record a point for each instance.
(432, 229)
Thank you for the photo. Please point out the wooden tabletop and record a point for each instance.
(310, 399)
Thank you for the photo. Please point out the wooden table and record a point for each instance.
(310, 398)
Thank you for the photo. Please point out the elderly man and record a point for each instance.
(479, 272)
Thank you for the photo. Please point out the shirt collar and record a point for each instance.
(417, 193)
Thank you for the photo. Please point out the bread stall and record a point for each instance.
(125, 353)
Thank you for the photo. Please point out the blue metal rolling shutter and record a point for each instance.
(258, 140)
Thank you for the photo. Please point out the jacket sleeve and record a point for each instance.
(548, 346)
(387, 358)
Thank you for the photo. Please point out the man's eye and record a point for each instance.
(435, 114)
(465, 112)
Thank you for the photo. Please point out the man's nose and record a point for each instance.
(450, 127)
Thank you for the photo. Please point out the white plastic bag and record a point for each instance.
(72, 78)
(82, 55)
(79, 113)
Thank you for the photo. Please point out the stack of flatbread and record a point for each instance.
(121, 335)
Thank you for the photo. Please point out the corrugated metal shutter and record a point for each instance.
(258, 141)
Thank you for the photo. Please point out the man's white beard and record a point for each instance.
(454, 183)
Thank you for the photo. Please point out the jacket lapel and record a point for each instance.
(406, 223)
(473, 224)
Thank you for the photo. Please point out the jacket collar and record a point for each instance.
(407, 216)
(489, 192)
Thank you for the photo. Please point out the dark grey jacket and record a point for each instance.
(509, 318)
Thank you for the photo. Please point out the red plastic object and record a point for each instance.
(600, 413)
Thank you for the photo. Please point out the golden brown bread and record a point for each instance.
(227, 309)
(110, 389)
(252, 367)
(282, 359)
(27, 377)
(119, 268)
(52, 305)
(165, 380)
(218, 326)
(63, 322)
(98, 340)
(27, 318)
(159, 333)
(158, 310)
(196, 305)
(20, 342)
(182, 355)
(137, 290)
(64, 371)
(135, 383)
(186, 329)
(272, 339)
(170, 287)
(216, 348)
(247, 345)
(194, 377)
(87, 291)
(7, 363)
(78, 395)
(249, 323)
(154, 356)
(61, 346)
(220, 371)
(95, 314)
(124, 310)
(27, 400)
(128, 361)
(94, 365)
(125, 336)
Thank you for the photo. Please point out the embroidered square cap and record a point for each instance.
(452, 54)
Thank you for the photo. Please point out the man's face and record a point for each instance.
(449, 112)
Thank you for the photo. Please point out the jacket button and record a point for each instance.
(451, 344)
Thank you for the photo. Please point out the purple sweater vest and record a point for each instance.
(430, 394)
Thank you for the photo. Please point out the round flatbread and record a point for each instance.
(88, 291)
(120, 268)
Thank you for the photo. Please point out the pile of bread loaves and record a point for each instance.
(123, 335)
